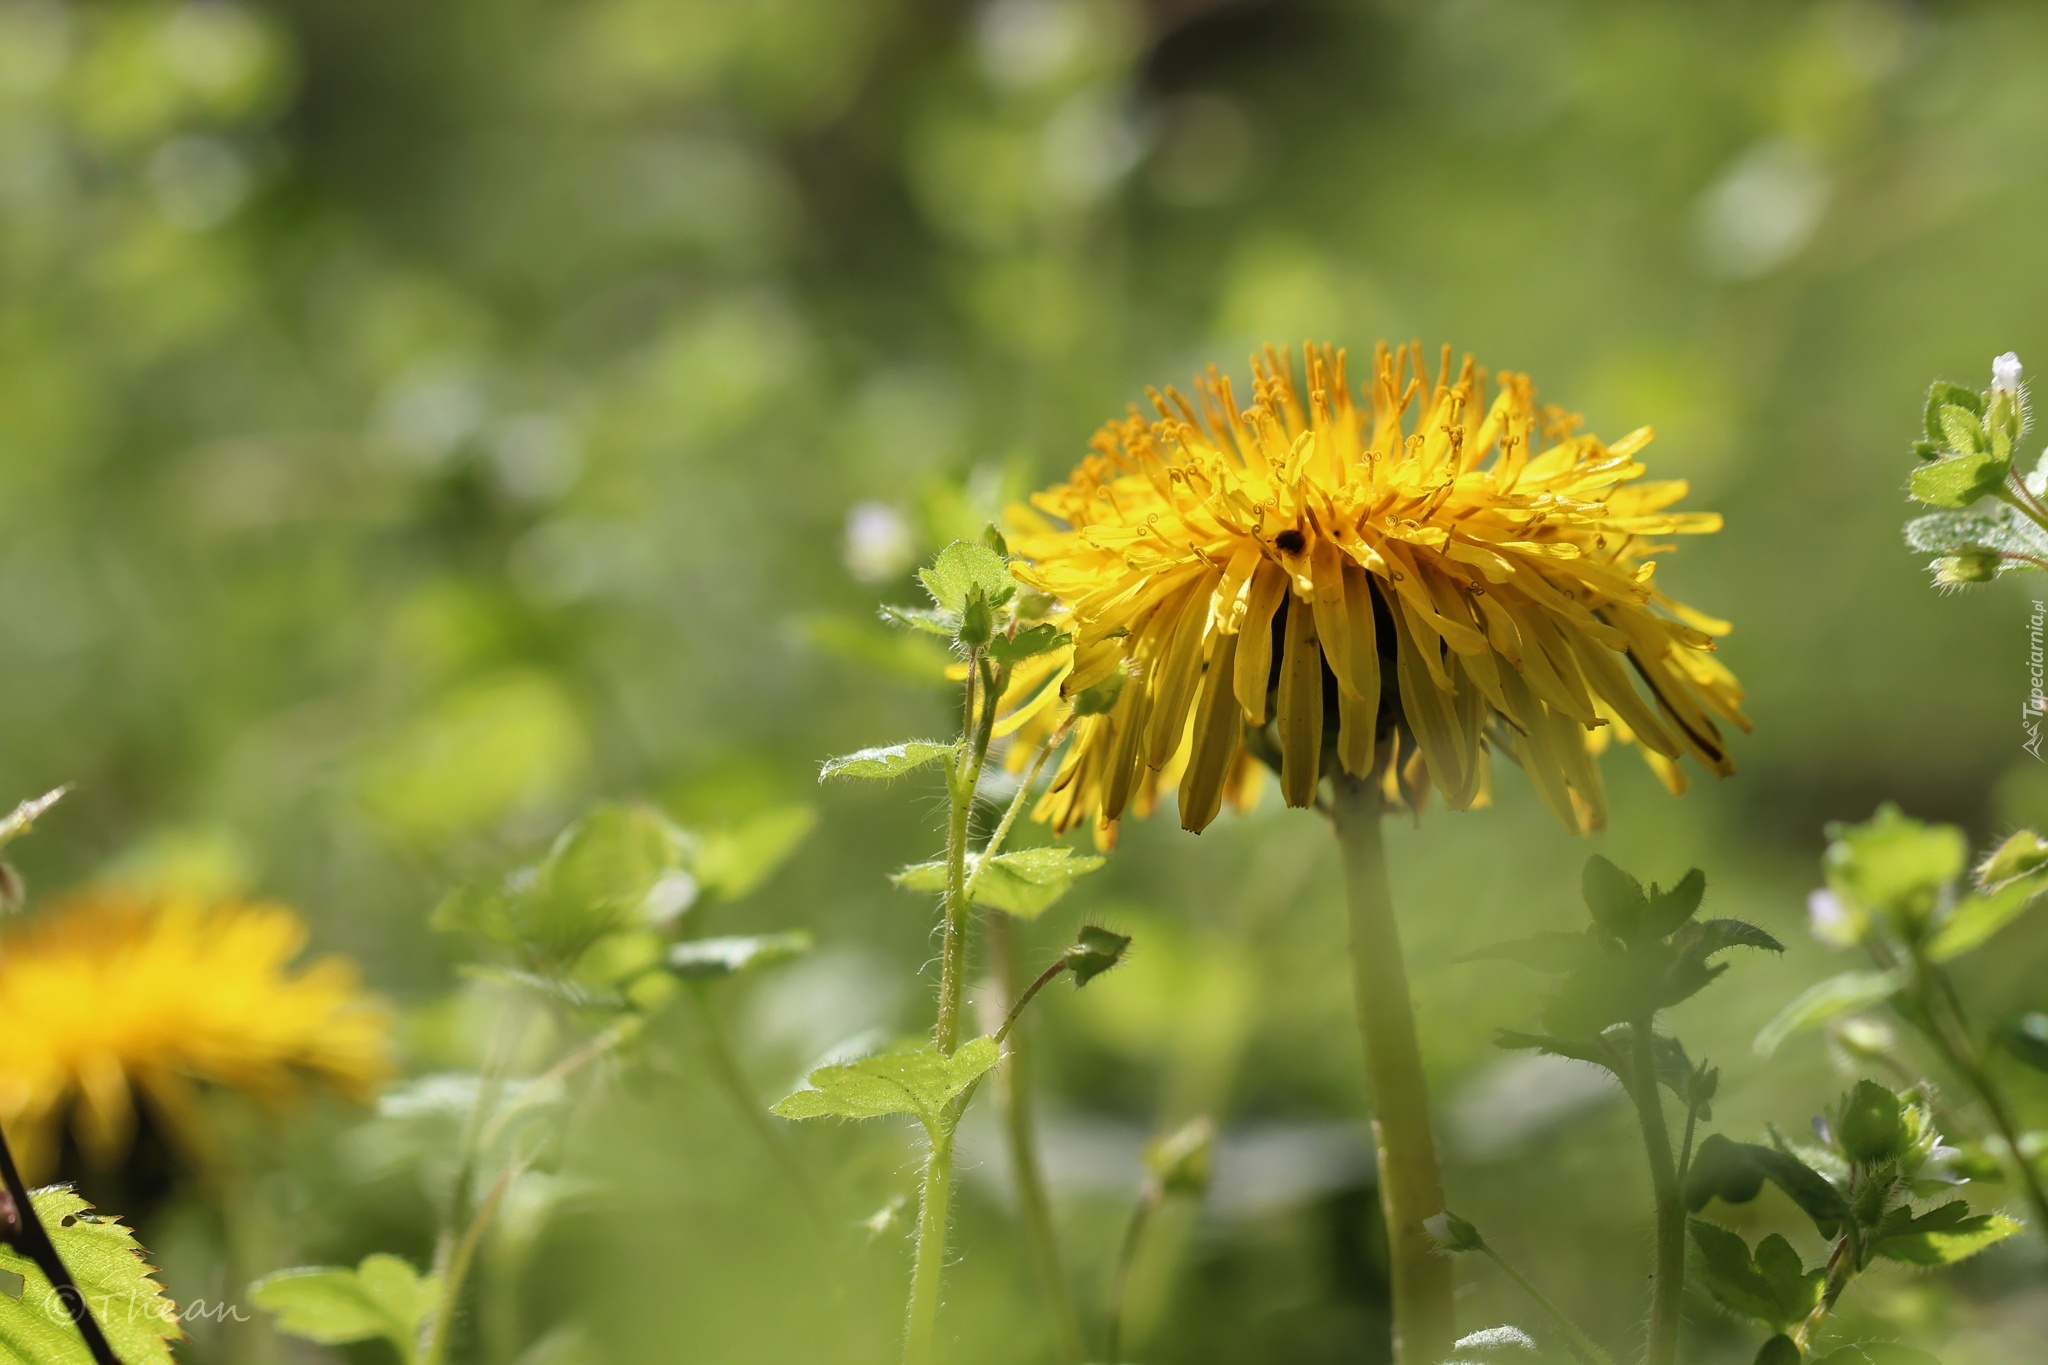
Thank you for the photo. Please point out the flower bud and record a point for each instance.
(1182, 1160)
(1972, 564)
(2024, 852)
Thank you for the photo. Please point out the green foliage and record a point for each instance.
(1941, 1236)
(1027, 643)
(1943, 394)
(383, 1297)
(1894, 866)
(117, 1285)
(1870, 1125)
(1094, 951)
(612, 870)
(1735, 1172)
(1841, 994)
(1779, 1350)
(714, 959)
(1770, 1286)
(965, 573)
(1644, 953)
(730, 862)
(1452, 1233)
(1875, 1353)
(887, 760)
(2023, 853)
(1976, 916)
(1183, 1162)
(1023, 882)
(912, 1078)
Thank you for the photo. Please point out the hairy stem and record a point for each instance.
(25, 1231)
(1411, 1188)
(1841, 1270)
(461, 1257)
(1582, 1346)
(930, 1265)
(1667, 1290)
(1022, 1132)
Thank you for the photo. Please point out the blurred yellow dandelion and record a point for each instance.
(116, 994)
(1296, 578)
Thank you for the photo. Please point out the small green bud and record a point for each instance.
(1183, 1161)
(1098, 700)
(1095, 950)
(1968, 565)
(1453, 1233)
(977, 622)
(1779, 1350)
(993, 538)
(2023, 853)
(1870, 1126)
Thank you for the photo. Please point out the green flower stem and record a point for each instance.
(1581, 1346)
(1667, 1291)
(963, 778)
(934, 1206)
(1126, 1258)
(726, 1066)
(1949, 1031)
(456, 1269)
(1841, 1270)
(1022, 1133)
(1411, 1188)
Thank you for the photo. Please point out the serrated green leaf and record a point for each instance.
(1959, 480)
(1547, 952)
(732, 861)
(1666, 911)
(713, 959)
(1023, 882)
(1943, 1236)
(1976, 917)
(1824, 1000)
(886, 760)
(2022, 853)
(965, 570)
(603, 873)
(1735, 1172)
(1943, 394)
(1094, 951)
(106, 1264)
(383, 1297)
(917, 1080)
(1770, 1287)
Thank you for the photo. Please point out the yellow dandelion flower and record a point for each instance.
(1404, 582)
(117, 994)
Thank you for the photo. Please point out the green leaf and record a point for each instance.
(107, 1266)
(924, 620)
(1959, 480)
(1822, 1001)
(1694, 944)
(1610, 1051)
(1770, 1287)
(2024, 853)
(964, 571)
(602, 874)
(1895, 864)
(713, 959)
(1941, 1236)
(1666, 911)
(1736, 1171)
(1094, 951)
(733, 861)
(915, 1079)
(1452, 1233)
(1547, 952)
(1870, 1125)
(333, 1305)
(1942, 394)
(1978, 916)
(1615, 898)
(1962, 428)
(1023, 882)
(887, 760)
(1027, 643)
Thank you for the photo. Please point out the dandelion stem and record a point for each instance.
(1022, 1133)
(1411, 1188)
(26, 1232)
(1667, 1287)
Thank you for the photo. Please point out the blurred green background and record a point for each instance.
(417, 421)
